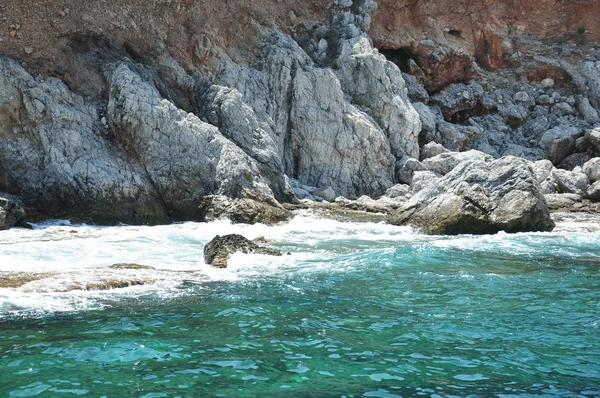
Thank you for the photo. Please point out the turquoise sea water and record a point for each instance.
(357, 309)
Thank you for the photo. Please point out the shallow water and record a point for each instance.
(357, 309)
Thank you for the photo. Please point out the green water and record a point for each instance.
(505, 316)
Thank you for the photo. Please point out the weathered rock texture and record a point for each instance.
(136, 115)
(218, 251)
(479, 198)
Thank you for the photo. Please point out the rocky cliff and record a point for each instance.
(136, 112)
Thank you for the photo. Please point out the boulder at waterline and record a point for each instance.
(218, 251)
(242, 211)
(11, 213)
(479, 198)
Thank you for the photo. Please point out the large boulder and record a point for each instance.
(559, 142)
(11, 213)
(592, 169)
(218, 251)
(241, 210)
(479, 198)
(571, 181)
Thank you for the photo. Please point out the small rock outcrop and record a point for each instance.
(479, 198)
(242, 211)
(218, 251)
(11, 213)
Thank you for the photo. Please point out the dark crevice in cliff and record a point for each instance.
(400, 56)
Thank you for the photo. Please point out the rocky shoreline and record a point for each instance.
(432, 132)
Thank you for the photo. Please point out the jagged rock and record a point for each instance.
(323, 139)
(224, 108)
(398, 191)
(593, 139)
(446, 162)
(406, 167)
(370, 79)
(11, 213)
(184, 157)
(478, 198)
(457, 98)
(574, 160)
(593, 192)
(559, 142)
(571, 181)
(592, 169)
(542, 171)
(562, 201)
(422, 180)
(61, 161)
(241, 210)
(219, 250)
(416, 92)
(432, 149)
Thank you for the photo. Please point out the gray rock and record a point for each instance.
(458, 98)
(522, 97)
(446, 162)
(422, 180)
(224, 108)
(367, 77)
(327, 194)
(593, 192)
(406, 167)
(56, 150)
(428, 119)
(514, 115)
(542, 171)
(432, 149)
(562, 109)
(478, 198)
(544, 100)
(593, 138)
(219, 250)
(570, 181)
(587, 111)
(241, 210)
(11, 212)
(559, 142)
(416, 92)
(163, 139)
(398, 191)
(574, 160)
(592, 169)
(562, 201)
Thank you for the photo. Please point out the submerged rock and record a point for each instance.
(130, 266)
(218, 251)
(479, 198)
(242, 211)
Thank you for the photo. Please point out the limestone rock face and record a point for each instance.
(184, 157)
(479, 198)
(53, 149)
(218, 251)
(11, 212)
(331, 128)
